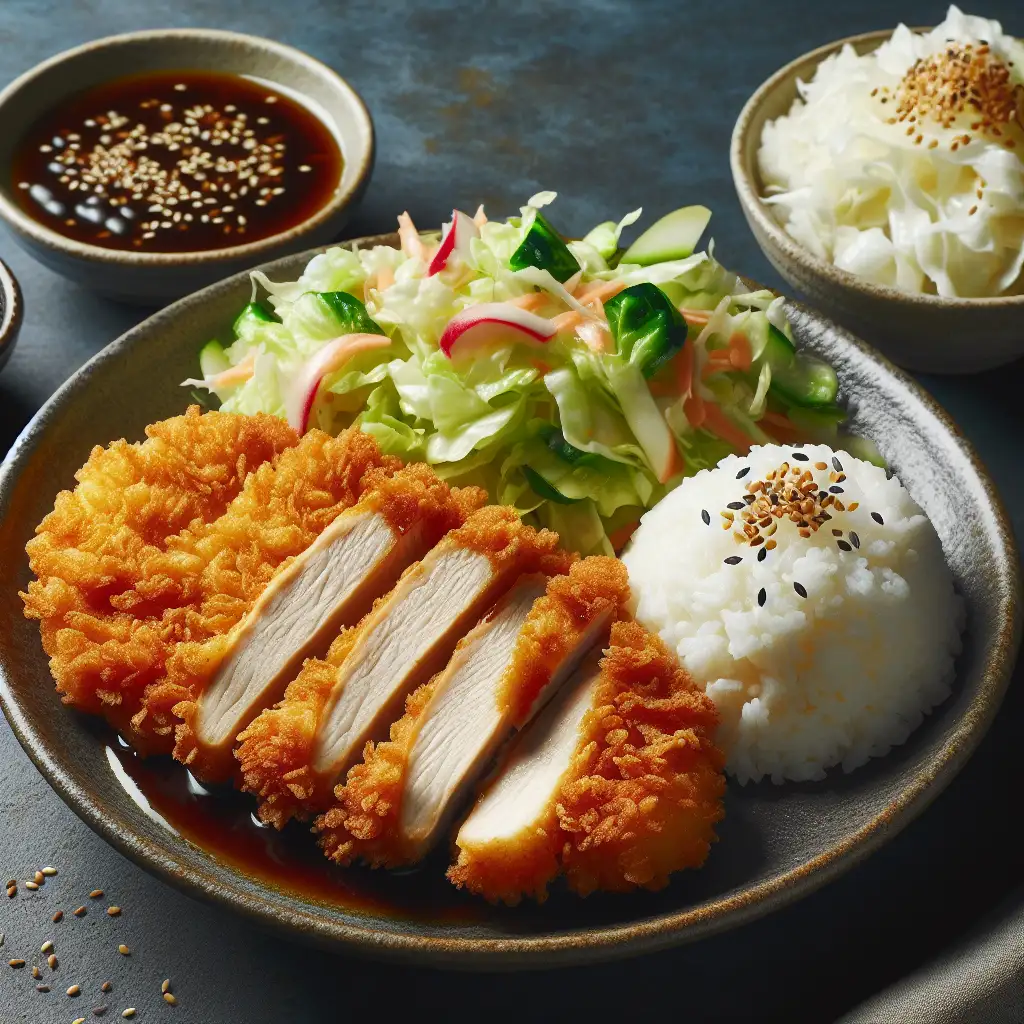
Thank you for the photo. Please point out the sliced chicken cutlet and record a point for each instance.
(293, 755)
(109, 591)
(616, 784)
(228, 562)
(397, 802)
(331, 584)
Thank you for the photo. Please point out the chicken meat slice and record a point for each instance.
(293, 755)
(616, 784)
(331, 584)
(397, 802)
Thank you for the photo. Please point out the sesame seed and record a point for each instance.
(762, 554)
(878, 519)
(36, 973)
(799, 588)
(42, 988)
(113, 911)
(737, 505)
(16, 964)
(835, 489)
(123, 950)
(704, 515)
(74, 990)
(733, 560)
(843, 545)
(98, 1011)
(165, 985)
(130, 1012)
(800, 456)
(33, 886)
(39, 878)
(770, 545)
(170, 999)
(106, 987)
(854, 539)
(762, 596)
(59, 916)
(46, 947)
(78, 1020)
(12, 891)
(743, 472)
(80, 912)
(51, 962)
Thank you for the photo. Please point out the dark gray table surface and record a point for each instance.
(614, 104)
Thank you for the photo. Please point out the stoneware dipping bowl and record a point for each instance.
(926, 333)
(11, 309)
(145, 277)
(777, 843)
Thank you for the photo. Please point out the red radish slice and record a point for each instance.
(454, 242)
(495, 321)
(332, 356)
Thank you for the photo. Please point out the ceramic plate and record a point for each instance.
(776, 843)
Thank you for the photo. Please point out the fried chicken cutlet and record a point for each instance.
(293, 755)
(616, 784)
(398, 800)
(106, 577)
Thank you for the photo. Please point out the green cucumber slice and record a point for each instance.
(545, 490)
(555, 441)
(543, 248)
(674, 237)
(252, 311)
(212, 359)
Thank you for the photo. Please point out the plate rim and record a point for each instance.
(380, 937)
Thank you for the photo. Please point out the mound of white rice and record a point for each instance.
(819, 646)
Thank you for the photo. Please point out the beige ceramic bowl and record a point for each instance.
(146, 276)
(921, 332)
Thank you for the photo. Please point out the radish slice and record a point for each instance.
(412, 244)
(454, 242)
(333, 355)
(490, 321)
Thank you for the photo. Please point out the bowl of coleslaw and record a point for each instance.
(883, 176)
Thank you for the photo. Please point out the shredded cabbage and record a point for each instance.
(913, 204)
(588, 425)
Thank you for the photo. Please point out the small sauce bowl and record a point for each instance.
(11, 310)
(144, 276)
(926, 333)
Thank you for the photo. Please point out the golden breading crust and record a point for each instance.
(108, 593)
(411, 496)
(282, 508)
(276, 750)
(640, 797)
(645, 789)
(364, 822)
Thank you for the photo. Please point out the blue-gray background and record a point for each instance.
(614, 104)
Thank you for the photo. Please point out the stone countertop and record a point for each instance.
(614, 104)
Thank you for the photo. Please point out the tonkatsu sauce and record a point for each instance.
(176, 161)
(222, 822)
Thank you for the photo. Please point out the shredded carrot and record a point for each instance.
(412, 244)
(531, 300)
(739, 352)
(684, 367)
(780, 428)
(620, 538)
(595, 335)
(599, 290)
(385, 278)
(698, 317)
(674, 467)
(718, 361)
(235, 374)
(567, 320)
(696, 410)
(480, 218)
(718, 423)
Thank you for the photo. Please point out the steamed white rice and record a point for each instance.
(802, 683)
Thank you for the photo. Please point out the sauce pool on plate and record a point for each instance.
(176, 161)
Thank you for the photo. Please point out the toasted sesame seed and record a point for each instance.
(113, 911)
(39, 878)
(42, 988)
(770, 545)
(799, 588)
(11, 881)
(59, 916)
(74, 990)
(80, 912)
(165, 985)
(762, 596)
(33, 886)
(78, 1020)
(51, 962)
(16, 964)
(12, 891)
(733, 560)
(170, 999)
(705, 516)
(106, 986)
(123, 950)
(36, 973)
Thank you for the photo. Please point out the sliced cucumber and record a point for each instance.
(253, 311)
(820, 423)
(212, 359)
(545, 490)
(798, 378)
(674, 237)
(543, 247)
(556, 442)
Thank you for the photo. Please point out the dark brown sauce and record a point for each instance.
(221, 822)
(177, 161)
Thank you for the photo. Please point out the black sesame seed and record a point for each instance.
(888, 473)
(775, 498)
(704, 515)
(750, 498)
(837, 533)
(854, 539)
(762, 596)
(843, 546)
(878, 519)
(736, 505)
(836, 464)
(799, 588)
(762, 554)
(800, 457)
(743, 472)
(733, 560)
(836, 489)
(821, 495)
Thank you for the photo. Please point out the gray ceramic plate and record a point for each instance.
(777, 843)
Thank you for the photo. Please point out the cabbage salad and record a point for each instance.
(575, 380)
(905, 166)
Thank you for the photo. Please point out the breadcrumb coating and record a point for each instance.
(109, 592)
(275, 752)
(640, 797)
(365, 821)
(645, 789)
(284, 518)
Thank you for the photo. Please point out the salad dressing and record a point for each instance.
(176, 161)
